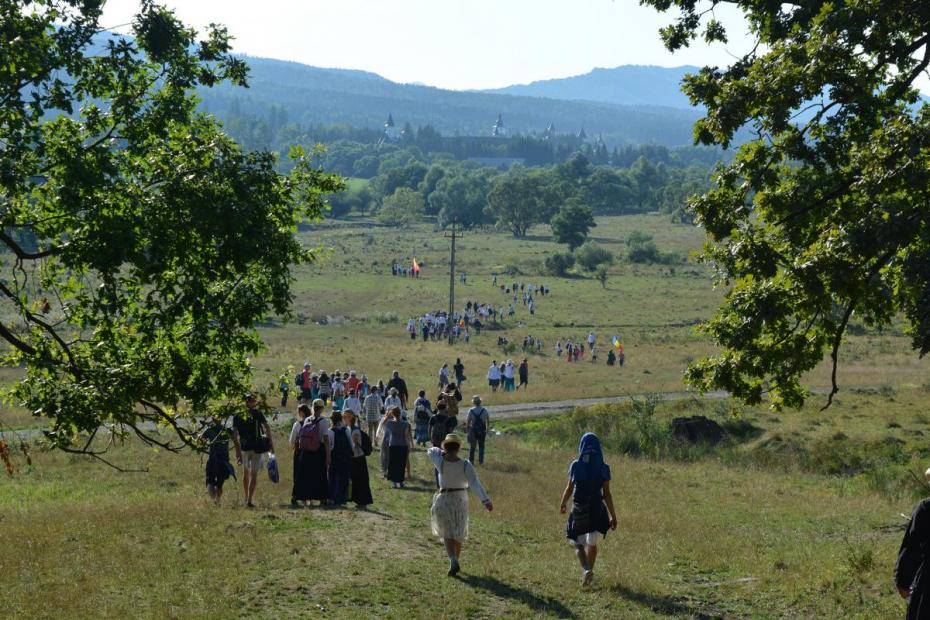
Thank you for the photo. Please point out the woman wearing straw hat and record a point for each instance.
(592, 511)
(449, 513)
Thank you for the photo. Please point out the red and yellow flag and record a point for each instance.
(416, 266)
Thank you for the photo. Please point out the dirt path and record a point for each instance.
(525, 410)
(532, 410)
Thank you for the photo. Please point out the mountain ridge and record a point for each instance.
(620, 85)
(335, 96)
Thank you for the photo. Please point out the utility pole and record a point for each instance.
(453, 236)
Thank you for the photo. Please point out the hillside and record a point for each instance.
(360, 99)
(635, 85)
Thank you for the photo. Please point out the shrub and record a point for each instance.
(559, 263)
(590, 256)
(642, 249)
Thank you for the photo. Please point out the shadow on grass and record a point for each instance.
(664, 605)
(533, 601)
(418, 488)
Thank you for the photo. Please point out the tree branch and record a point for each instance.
(22, 254)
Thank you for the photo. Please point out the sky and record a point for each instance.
(457, 44)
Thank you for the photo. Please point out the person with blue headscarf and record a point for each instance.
(592, 510)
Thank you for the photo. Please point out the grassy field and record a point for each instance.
(353, 308)
(795, 515)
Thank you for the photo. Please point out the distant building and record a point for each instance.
(499, 131)
(391, 133)
(497, 148)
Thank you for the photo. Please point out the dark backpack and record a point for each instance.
(477, 421)
(342, 446)
(310, 438)
(299, 380)
(366, 442)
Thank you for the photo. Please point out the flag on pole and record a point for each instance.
(616, 343)
(416, 265)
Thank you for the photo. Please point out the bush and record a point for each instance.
(590, 256)
(559, 263)
(642, 249)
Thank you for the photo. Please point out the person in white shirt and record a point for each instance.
(508, 376)
(449, 512)
(393, 400)
(352, 403)
(443, 376)
(592, 337)
(494, 376)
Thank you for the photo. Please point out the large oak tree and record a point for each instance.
(824, 217)
(139, 244)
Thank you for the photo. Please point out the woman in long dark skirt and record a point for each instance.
(399, 439)
(299, 491)
(315, 463)
(340, 468)
(360, 487)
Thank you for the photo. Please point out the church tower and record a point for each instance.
(499, 131)
(391, 133)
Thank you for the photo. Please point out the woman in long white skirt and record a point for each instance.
(449, 513)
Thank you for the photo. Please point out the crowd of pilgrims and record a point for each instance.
(438, 325)
(364, 417)
(330, 453)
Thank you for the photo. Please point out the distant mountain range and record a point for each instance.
(635, 85)
(637, 105)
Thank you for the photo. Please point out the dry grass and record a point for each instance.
(696, 539)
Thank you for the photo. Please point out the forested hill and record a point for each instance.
(624, 85)
(312, 95)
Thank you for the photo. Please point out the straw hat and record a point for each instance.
(453, 439)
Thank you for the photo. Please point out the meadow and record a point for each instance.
(794, 514)
(743, 529)
(350, 313)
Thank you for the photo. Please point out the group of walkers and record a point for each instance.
(438, 326)
(503, 375)
(330, 457)
(575, 350)
(405, 272)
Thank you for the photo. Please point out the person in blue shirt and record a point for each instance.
(592, 512)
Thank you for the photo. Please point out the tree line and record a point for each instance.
(567, 195)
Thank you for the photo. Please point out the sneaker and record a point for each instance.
(249, 505)
(454, 568)
(588, 578)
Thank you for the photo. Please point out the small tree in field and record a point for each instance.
(559, 263)
(601, 275)
(402, 208)
(590, 256)
(572, 223)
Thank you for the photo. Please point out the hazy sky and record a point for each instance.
(456, 44)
